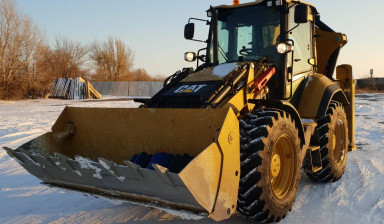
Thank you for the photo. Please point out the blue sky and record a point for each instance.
(154, 28)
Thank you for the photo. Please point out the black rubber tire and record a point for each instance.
(333, 168)
(259, 132)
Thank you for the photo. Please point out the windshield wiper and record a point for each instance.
(224, 55)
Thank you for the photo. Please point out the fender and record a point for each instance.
(317, 94)
(332, 92)
(284, 106)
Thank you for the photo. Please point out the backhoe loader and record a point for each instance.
(230, 135)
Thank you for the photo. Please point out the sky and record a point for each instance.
(154, 29)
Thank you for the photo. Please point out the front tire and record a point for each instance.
(270, 166)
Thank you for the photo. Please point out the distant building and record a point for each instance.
(370, 83)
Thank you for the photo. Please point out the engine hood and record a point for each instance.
(218, 73)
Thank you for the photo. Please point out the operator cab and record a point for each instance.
(266, 34)
(276, 33)
(247, 34)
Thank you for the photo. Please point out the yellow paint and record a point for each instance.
(213, 138)
(117, 134)
(275, 165)
(326, 44)
(334, 141)
(201, 176)
(296, 83)
(229, 186)
(351, 117)
(282, 166)
(237, 102)
(312, 95)
(344, 76)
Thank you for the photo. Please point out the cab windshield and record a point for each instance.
(247, 34)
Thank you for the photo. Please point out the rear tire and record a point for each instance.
(333, 133)
(270, 166)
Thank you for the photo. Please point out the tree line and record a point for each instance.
(29, 64)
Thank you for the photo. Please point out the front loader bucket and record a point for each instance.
(91, 149)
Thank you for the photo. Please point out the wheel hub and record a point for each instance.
(275, 166)
(282, 166)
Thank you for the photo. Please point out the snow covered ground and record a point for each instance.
(357, 198)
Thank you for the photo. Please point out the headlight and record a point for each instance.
(283, 48)
(190, 56)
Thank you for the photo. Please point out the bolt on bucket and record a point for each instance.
(183, 158)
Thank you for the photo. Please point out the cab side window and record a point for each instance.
(301, 35)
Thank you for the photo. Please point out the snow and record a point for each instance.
(224, 69)
(87, 164)
(183, 215)
(357, 198)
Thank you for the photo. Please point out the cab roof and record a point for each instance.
(260, 1)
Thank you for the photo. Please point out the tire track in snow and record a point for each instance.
(9, 167)
(19, 137)
(28, 191)
(27, 219)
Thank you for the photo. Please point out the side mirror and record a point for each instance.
(302, 13)
(189, 31)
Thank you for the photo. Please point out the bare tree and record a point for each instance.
(19, 41)
(159, 78)
(67, 58)
(141, 75)
(40, 75)
(28, 65)
(113, 60)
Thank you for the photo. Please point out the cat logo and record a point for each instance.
(187, 91)
(190, 88)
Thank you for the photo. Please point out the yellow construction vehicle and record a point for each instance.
(232, 134)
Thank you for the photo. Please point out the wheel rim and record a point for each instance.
(282, 166)
(339, 142)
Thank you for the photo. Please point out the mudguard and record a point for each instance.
(318, 93)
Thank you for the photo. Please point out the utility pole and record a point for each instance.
(371, 73)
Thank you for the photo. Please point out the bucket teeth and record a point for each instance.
(60, 163)
(20, 158)
(112, 168)
(26, 157)
(43, 161)
(86, 166)
(164, 174)
(105, 176)
(134, 170)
